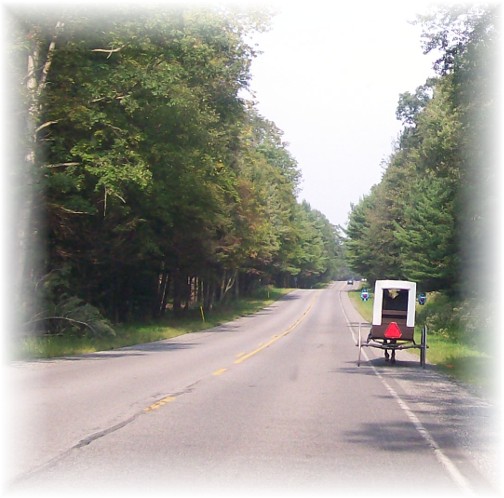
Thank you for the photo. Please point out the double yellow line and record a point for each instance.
(160, 403)
(245, 356)
(277, 337)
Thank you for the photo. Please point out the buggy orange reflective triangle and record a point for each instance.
(393, 331)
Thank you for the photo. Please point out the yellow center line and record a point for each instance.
(276, 337)
(160, 403)
(241, 357)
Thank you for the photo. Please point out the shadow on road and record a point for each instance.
(290, 297)
(127, 351)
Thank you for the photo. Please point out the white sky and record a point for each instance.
(330, 77)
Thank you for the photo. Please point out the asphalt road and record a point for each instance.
(273, 403)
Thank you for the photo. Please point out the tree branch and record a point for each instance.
(48, 61)
(66, 210)
(60, 165)
(45, 125)
(71, 320)
(108, 51)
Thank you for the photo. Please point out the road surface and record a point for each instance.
(272, 402)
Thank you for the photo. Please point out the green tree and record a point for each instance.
(160, 186)
(358, 244)
(432, 207)
(140, 116)
(429, 247)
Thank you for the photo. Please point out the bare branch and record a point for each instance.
(101, 99)
(48, 61)
(45, 125)
(65, 318)
(119, 197)
(60, 165)
(66, 210)
(71, 211)
(108, 51)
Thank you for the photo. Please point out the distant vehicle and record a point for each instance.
(350, 281)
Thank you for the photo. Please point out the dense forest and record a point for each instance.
(431, 218)
(150, 183)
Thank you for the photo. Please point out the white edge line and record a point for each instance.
(447, 463)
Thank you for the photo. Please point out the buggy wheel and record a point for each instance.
(423, 346)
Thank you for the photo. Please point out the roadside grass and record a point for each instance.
(140, 333)
(365, 308)
(459, 360)
(464, 362)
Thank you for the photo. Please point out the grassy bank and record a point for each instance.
(453, 349)
(194, 321)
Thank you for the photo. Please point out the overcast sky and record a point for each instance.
(329, 76)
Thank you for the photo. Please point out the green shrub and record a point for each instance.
(61, 313)
(71, 316)
(460, 321)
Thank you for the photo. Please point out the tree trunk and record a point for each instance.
(199, 296)
(29, 230)
(237, 285)
(163, 290)
(209, 294)
(177, 293)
